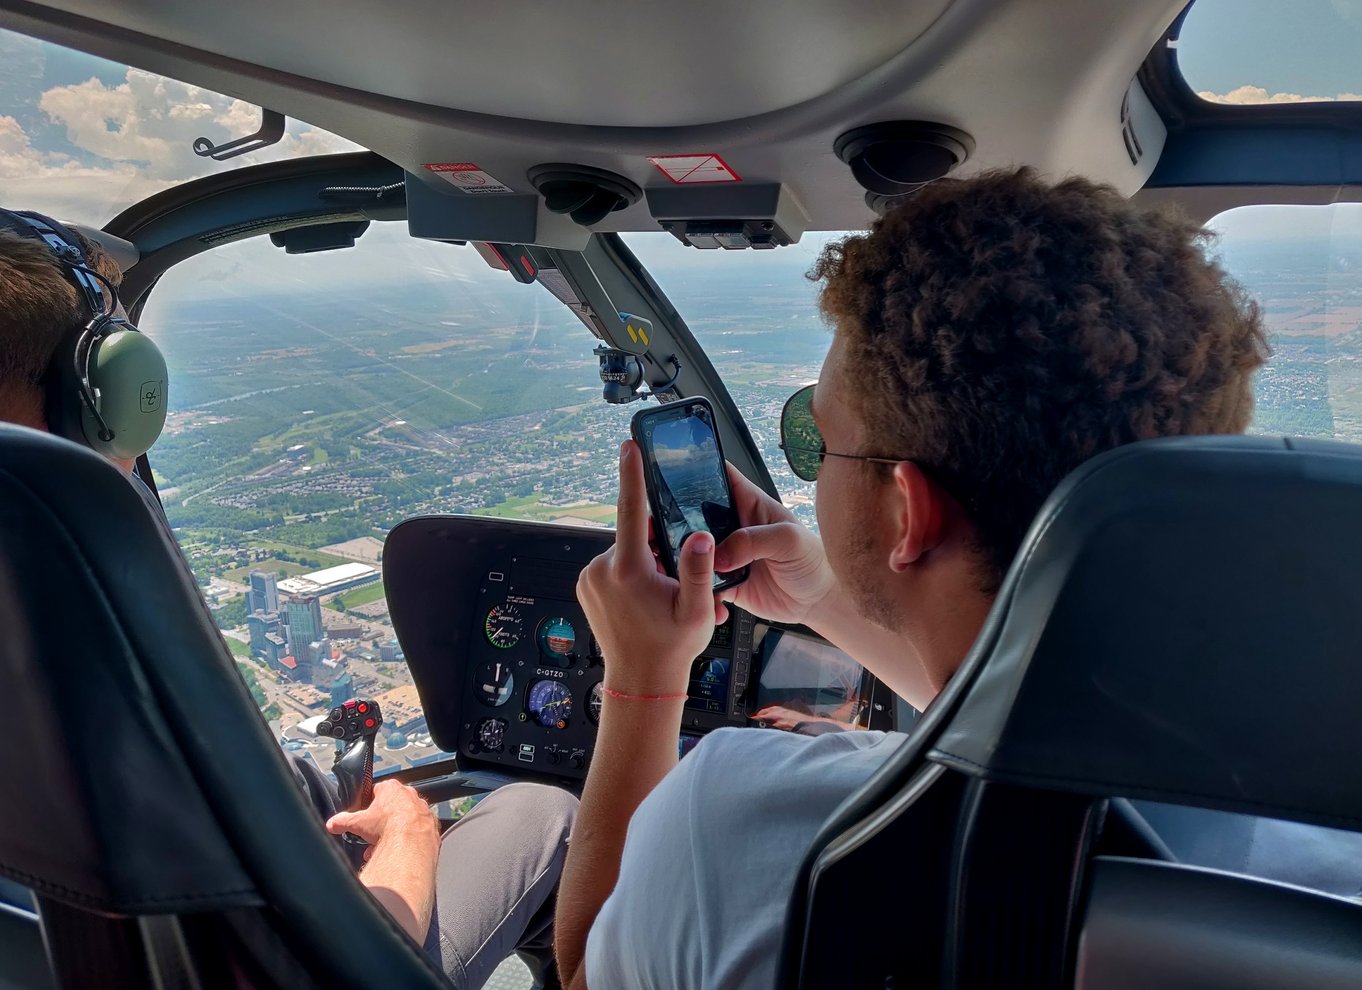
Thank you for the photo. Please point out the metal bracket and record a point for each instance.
(271, 131)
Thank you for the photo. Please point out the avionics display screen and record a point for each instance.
(809, 677)
(708, 687)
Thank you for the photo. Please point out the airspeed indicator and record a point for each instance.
(504, 626)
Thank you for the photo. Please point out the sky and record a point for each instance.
(82, 138)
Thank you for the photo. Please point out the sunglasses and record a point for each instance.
(802, 440)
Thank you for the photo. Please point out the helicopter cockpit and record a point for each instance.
(412, 271)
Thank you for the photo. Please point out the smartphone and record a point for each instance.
(688, 491)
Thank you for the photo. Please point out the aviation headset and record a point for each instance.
(106, 383)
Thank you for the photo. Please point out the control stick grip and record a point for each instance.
(354, 771)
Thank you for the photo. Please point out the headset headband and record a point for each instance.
(66, 247)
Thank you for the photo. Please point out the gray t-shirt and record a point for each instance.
(710, 858)
(711, 855)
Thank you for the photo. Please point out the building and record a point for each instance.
(330, 580)
(264, 593)
(275, 647)
(343, 688)
(341, 628)
(401, 708)
(261, 625)
(390, 652)
(302, 615)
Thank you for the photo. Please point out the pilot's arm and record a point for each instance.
(400, 863)
(650, 627)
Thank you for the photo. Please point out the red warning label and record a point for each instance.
(467, 177)
(691, 169)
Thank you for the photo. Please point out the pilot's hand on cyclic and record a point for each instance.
(790, 576)
(396, 808)
(650, 626)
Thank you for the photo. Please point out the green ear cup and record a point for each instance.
(128, 375)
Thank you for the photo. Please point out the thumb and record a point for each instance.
(752, 543)
(341, 823)
(695, 572)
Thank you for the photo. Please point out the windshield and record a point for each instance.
(1248, 52)
(81, 138)
(317, 400)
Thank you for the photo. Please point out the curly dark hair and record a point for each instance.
(1003, 330)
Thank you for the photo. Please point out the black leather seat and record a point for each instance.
(1183, 625)
(145, 803)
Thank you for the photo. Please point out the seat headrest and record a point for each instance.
(1183, 623)
(101, 808)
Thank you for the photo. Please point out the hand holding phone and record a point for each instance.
(688, 490)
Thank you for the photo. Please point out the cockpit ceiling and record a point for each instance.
(767, 84)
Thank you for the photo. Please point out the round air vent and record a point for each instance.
(899, 157)
(586, 194)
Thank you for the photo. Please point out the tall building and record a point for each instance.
(264, 593)
(303, 615)
(261, 624)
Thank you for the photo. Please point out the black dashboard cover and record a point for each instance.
(1182, 624)
(434, 568)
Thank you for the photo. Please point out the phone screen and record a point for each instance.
(686, 477)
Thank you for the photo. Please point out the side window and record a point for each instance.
(317, 400)
(1303, 266)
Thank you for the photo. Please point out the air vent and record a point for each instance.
(899, 157)
(1133, 149)
(588, 195)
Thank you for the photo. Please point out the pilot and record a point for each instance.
(471, 895)
(989, 336)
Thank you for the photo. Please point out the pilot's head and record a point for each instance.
(38, 306)
(994, 333)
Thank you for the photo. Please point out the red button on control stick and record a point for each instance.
(363, 708)
(368, 723)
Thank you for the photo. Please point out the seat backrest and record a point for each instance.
(1181, 625)
(143, 782)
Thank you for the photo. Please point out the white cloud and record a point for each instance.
(1256, 95)
(132, 139)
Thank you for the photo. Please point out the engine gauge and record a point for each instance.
(491, 734)
(557, 637)
(549, 703)
(504, 626)
(494, 683)
(593, 703)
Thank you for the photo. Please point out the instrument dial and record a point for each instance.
(593, 703)
(495, 683)
(504, 626)
(550, 703)
(492, 735)
(557, 637)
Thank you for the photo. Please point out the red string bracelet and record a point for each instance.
(642, 697)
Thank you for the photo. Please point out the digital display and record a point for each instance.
(708, 690)
(723, 635)
(686, 743)
(809, 677)
(688, 476)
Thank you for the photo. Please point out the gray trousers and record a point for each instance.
(495, 880)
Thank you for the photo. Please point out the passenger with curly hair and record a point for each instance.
(990, 335)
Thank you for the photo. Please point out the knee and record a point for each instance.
(550, 810)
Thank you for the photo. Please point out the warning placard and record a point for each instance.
(694, 169)
(467, 177)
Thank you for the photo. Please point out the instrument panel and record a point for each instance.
(506, 666)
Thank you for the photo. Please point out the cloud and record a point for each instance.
(130, 139)
(1256, 95)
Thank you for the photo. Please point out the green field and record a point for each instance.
(366, 595)
(238, 648)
